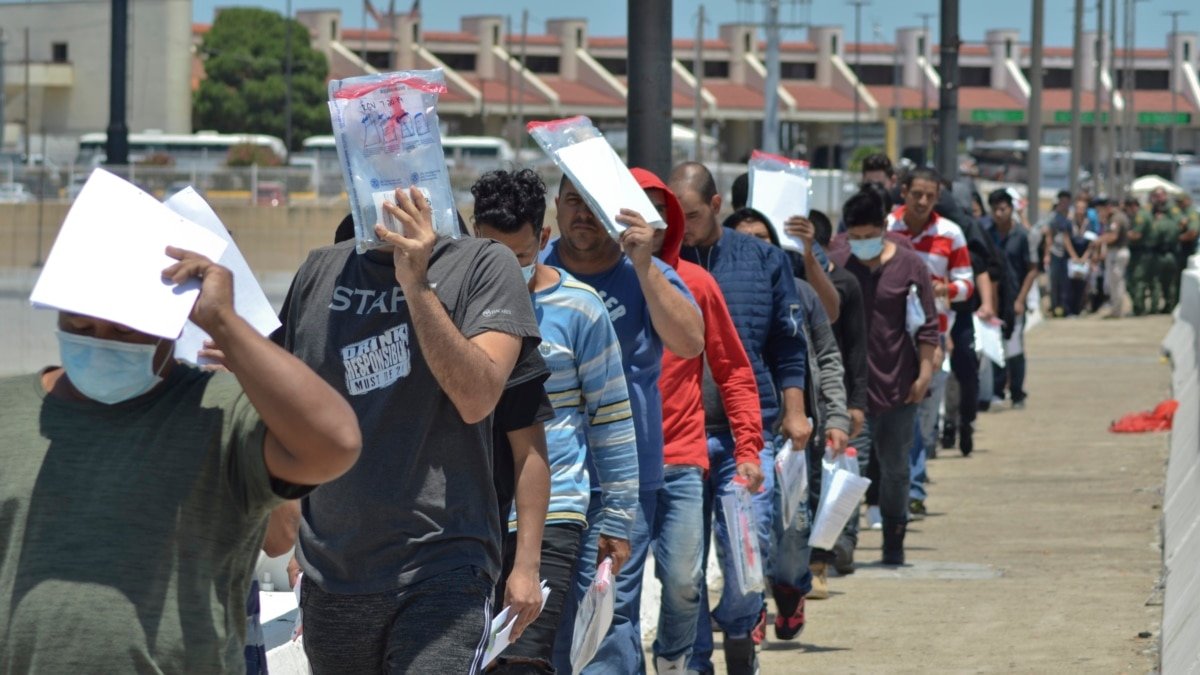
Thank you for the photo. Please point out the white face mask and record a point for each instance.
(108, 371)
(528, 270)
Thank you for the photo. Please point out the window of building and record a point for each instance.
(873, 75)
(920, 45)
(464, 62)
(614, 65)
(975, 77)
(59, 52)
(1187, 51)
(711, 68)
(833, 43)
(748, 42)
(333, 29)
(798, 70)
(416, 36)
(1008, 48)
(547, 65)
(379, 60)
(495, 35)
(579, 38)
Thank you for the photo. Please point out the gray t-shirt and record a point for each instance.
(420, 500)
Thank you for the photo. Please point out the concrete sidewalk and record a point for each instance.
(1041, 550)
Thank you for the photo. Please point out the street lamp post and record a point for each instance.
(925, 16)
(1174, 79)
(858, 5)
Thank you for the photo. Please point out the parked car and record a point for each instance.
(14, 193)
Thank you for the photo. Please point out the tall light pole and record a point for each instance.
(925, 17)
(117, 143)
(1076, 92)
(770, 137)
(287, 81)
(1174, 79)
(1034, 172)
(858, 5)
(698, 74)
(1111, 43)
(947, 163)
(1097, 85)
(649, 103)
(2, 100)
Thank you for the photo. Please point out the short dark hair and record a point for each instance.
(345, 230)
(508, 200)
(696, 177)
(743, 214)
(1000, 196)
(878, 162)
(823, 227)
(922, 173)
(1131, 201)
(1063, 194)
(866, 207)
(740, 192)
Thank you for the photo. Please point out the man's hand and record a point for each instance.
(919, 388)
(1019, 306)
(797, 429)
(293, 572)
(858, 420)
(612, 547)
(523, 593)
(941, 289)
(637, 240)
(986, 313)
(213, 353)
(413, 246)
(751, 473)
(214, 307)
(837, 439)
(803, 229)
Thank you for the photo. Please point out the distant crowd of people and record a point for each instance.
(441, 425)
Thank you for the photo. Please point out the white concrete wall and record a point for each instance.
(159, 92)
(1180, 641)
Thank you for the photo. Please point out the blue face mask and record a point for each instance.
(108, 371)
(528, 270)
(866, 249)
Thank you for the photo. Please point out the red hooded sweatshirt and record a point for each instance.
(684, 438)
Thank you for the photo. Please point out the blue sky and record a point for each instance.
(608, 17)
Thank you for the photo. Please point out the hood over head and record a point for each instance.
(674, 237)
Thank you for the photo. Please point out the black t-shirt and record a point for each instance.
(850, 331)
(523, 403)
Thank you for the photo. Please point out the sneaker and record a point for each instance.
(948, 434)
(916, 509)
(820, 582)
(676, 667)
(874, 518)
(759, 632)
(1018, 405)
(843, 556)
(966, 439)
(788, 627)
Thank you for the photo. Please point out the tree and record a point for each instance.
(244, 90)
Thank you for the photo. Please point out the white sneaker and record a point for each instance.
(874, 518)
(663, 666)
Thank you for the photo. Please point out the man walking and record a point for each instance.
(651, 309)
(756, 280)
(1011, 237)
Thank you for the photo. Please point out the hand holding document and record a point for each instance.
(841, 491)
(249, 301)
(108, 259)
(594, 617)
(989, 340)
(500, 636)
(779, 189)
(791, 469)
(738, 508)
(586, 158)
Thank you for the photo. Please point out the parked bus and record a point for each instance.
(202, 150)
(478, 152)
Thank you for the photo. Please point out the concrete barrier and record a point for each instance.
(1180, 640)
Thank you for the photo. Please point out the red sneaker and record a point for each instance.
(759, 632)
(789, 627)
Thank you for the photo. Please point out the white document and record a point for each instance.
(791, 468)
(606, 184)
(989, 340)
(108, 259)
(779, 195)
(839, 500)
(502, 627)
(249, 301)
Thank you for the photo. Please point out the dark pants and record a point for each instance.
(1058, 282)
(534, 652)
(892, 437)
(1012, 374)
(1076, 294)
(965, 366)
(438, 625)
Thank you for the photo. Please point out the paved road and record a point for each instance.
(1040, 551)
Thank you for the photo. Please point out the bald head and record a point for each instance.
(697, 192)
(694, 177)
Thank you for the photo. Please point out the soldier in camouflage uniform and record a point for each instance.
(1162, 241)
(1141, 260)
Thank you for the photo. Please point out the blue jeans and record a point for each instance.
(678, 550)
(736, 614)
(621, 651)
(790, 552)
(925, 434)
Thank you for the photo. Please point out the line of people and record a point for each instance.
(525, 407)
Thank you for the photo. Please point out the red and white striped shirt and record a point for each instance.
(943, 247)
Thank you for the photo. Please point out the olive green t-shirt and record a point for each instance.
(129, 533)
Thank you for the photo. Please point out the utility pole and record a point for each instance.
(948, 96)
(1174, 81)
(770, 141)
(858, 5)
(521, 82)
(117, 143)
(1098, 84)
(514, 133)
(1036, 74)
(1076, 92)
(649, 104)
(1111, 45)
(698, 75)
(925, 135)
(287, 82)
(26, 147)
(3, 44)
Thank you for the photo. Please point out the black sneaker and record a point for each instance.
(948, 434)
(843, 556)
(916, 509)
(966, 439)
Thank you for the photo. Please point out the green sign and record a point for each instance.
(1086, 117)
(1161, 119)
(985, 116)
(911, 114)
